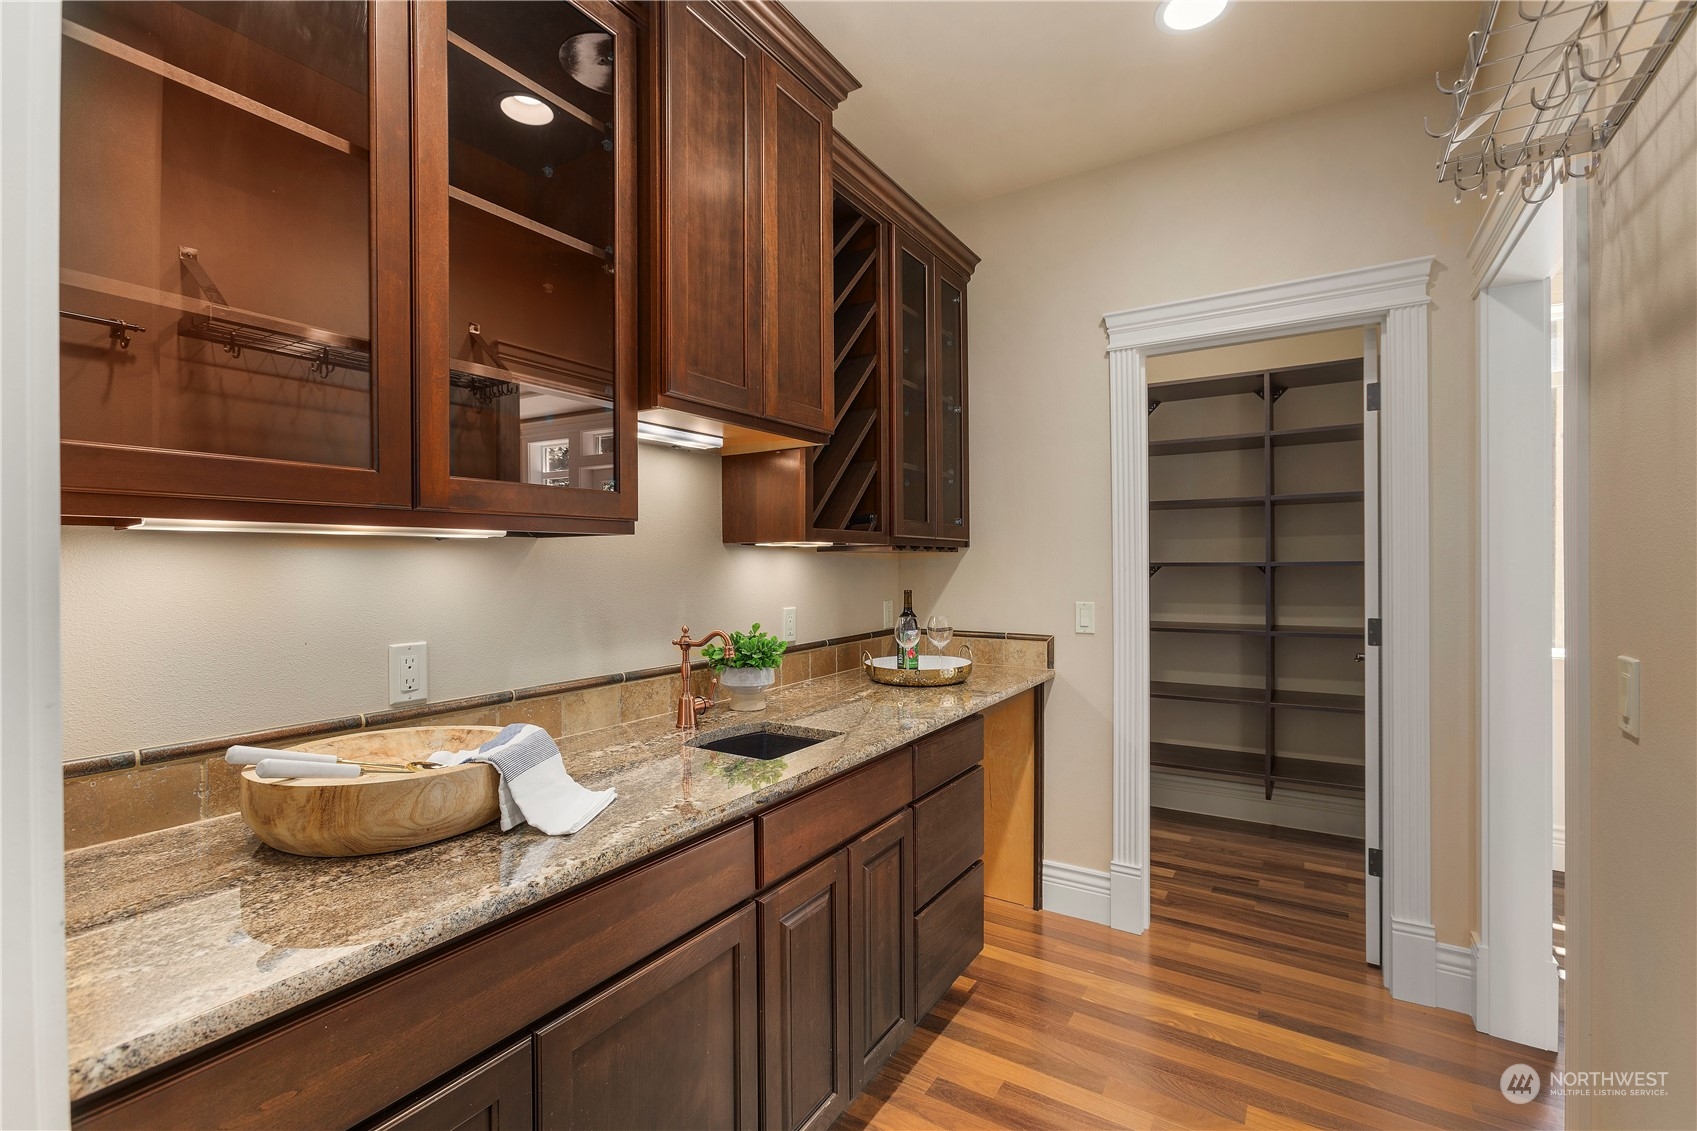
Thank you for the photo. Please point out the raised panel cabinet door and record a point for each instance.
(671, 1046)
(234, 284)
(711, 209)
(913, 389)
(881, 944)
(804, 997)
(493, 1095)
(951, 411)
(798, 238)
(526, 268)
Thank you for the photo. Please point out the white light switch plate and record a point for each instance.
(1628, 695)
(1084, 618)
(889, 614)
(409, 672)
(789, 625)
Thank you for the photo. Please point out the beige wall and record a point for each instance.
(1633, 990)
(1337, 188)
(172, 637)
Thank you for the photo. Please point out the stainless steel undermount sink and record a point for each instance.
(765, 741)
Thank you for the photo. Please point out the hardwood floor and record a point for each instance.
(1246, 1004)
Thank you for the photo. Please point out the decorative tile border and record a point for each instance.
(127, 793)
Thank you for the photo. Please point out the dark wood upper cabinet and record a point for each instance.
(741, 231)
(525, 261)
(893, 470)
(314, 272)
(234, 284)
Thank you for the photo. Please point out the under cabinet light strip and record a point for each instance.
(220, 526)
(677, 437)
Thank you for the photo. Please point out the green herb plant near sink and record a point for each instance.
(749, 669)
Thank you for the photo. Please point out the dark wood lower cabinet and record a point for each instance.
(495, 1095)
(881, 947)
(804, 997)
(614, 1007)
(672, 1046)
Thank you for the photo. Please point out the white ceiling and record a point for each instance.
(966, 99)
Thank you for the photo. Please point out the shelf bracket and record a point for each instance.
(1153, 570)
(190, 259)
(1153, 405)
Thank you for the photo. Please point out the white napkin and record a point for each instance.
(534, 784)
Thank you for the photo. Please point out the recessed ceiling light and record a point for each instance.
(527, 110)
(1188, 15)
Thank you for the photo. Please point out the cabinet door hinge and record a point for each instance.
(1375, 632)
(1375, 862)
(1373, 397)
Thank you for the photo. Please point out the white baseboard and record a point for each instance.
(1455, 978)
(1559, 839)
(1079, 892)
(1414, 962)
(1243, 801)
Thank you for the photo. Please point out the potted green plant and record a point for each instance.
(749, 669)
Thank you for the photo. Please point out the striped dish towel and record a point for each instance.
(534, 784)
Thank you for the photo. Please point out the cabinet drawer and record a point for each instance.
(799, 832)
(496, 1095)
(941, 756)
(341, 1062)
(947, 936)
(948, 834)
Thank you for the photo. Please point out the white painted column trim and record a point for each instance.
(1128, 874)
(33, 1058)
(1394, 294)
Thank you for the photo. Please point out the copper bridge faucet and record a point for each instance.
(690, 705)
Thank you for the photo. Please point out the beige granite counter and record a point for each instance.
(178, 938)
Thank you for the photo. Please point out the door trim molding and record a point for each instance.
(1395, 295)
(33, 1065)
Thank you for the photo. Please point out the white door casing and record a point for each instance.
(1373, 795)
(1516, 979)
(1393, 295)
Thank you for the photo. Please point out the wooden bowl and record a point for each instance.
(379, 812)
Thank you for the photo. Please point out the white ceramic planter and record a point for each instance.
(747, 687)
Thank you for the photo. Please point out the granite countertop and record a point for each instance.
(178, 938)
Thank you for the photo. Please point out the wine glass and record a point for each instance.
(939, 631)
(906, 638)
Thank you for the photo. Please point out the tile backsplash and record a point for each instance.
(112, 796)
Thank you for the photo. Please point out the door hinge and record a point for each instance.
(1375, 632)
(1375, 863)
(1373, 397)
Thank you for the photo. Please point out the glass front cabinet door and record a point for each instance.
(525, 260)
(912, 324)
(951, 405)
(234, 306)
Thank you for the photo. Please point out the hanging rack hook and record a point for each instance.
(1614, 61)
(1586, 173)
(1460, 187)
(1562, 78)
(1475, 54)
(1426, 124)
(1531, 183)
(1547, 8)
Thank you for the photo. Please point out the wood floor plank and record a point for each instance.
(1246, 1004)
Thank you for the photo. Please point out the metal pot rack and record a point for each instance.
(1545, 87)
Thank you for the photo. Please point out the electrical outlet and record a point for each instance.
(1084, 618)
(409, 672)
(889, 614)
(789, 625)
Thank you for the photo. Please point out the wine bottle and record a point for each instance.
(907, 635)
